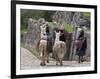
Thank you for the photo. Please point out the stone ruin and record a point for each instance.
(31, 37)
(67, 17)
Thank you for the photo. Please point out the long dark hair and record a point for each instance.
(81, 34)
(47, 29)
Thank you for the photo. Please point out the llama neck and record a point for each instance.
(57, 39)
(43, 35)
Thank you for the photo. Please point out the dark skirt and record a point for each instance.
(80, 52)
(77, 51)
(49, 44)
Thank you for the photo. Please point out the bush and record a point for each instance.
(69, 28)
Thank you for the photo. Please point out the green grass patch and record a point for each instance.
(69, 28)
(87, 14)
(23, 30)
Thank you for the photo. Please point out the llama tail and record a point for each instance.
(37, 46)
(62, 49)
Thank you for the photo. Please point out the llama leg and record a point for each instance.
(40, 54)
(60, 60)
(57, 61)
(43, 61)
(41, 50)
(45, 57)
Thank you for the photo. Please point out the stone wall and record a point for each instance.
(32, 36)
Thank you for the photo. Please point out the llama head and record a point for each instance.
(43, 31)
(43, 28)
(57, 35)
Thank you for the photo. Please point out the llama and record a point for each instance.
(43, 36)
(42, 46)
(59, 49)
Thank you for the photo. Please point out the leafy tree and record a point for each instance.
(35, 14)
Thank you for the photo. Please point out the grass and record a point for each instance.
(69, 28)
(23, 31)
(87, 14)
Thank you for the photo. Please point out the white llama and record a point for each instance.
(43, 45)
(59, 49)
(43, 36)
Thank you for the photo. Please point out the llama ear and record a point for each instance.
(55, 32)
(59, 32)
(45, 26)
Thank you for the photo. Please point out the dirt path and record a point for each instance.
(29, 61)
